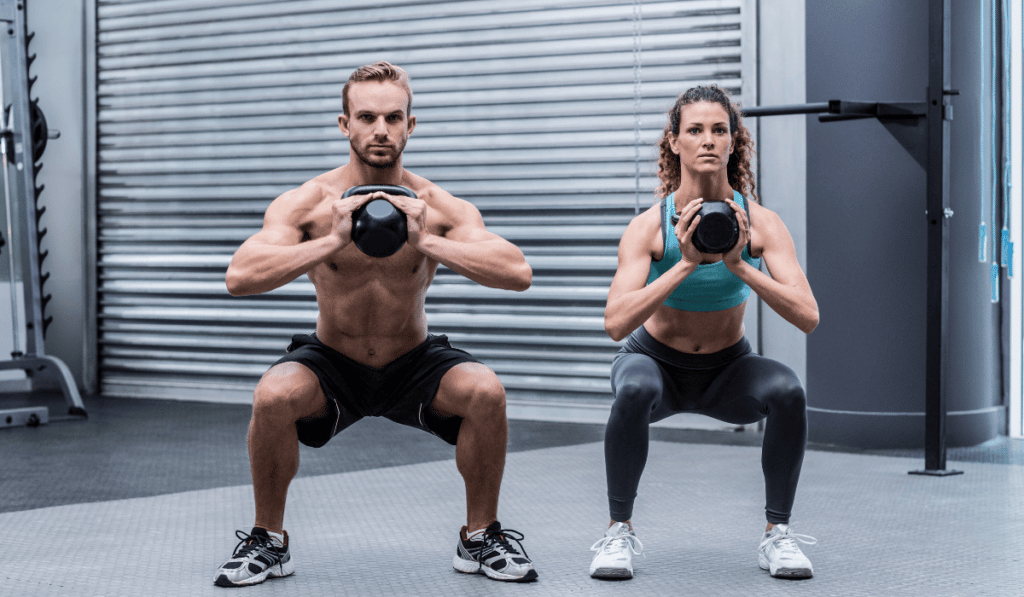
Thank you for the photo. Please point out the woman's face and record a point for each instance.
(704, 141)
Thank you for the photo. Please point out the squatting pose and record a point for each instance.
(371, 354)
(683, 312)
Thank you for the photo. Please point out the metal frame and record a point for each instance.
(23, 215)
(922, 128)
(90, 348)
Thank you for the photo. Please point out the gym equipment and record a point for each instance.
(922, 128)
(717, 231)
(379, 229)
(23, 137)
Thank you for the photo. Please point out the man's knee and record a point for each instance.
(474, 390)
(288, 390)
(487, 394)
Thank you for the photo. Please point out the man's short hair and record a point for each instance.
(378, 71)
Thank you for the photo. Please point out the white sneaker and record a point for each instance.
(780, 555)
(615, 551)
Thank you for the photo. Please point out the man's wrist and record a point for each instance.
(427, 244)
(334, 242)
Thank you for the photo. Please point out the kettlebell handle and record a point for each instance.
(390, 189)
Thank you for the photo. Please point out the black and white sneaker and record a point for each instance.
(257, 557)
(489, 552)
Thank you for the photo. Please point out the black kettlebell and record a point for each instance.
(379, 229)
(718, 229)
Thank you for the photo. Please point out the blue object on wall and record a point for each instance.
(995, 282)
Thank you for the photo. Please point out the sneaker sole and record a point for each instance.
(787, 572)
(618, 573)
(474, 567)
(279, 571)
(467, 566)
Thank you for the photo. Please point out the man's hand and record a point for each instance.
(343, 209)
(415, 211)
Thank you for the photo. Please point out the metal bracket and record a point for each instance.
(904, 120)
(56, 370)
(941, 472)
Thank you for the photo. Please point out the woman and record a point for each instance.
(683, 312)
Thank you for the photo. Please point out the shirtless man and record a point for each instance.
(371, 354)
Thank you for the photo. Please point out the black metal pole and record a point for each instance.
(937, 309)
(930, 147)
(791, 109)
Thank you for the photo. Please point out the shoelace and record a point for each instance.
(606, 543)
(498, 540)
(250, 543)
(786, 541)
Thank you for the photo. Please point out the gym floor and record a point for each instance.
(144, 497)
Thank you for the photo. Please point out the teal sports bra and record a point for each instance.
(710, 287)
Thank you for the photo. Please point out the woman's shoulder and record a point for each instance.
(768, 230)
(649, 219)
(643, 234)
(760, 214)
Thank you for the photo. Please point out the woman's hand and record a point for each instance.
(684, 230)
(735, 255)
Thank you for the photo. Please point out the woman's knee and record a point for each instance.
(788, 394)
(288, 390)
(636, 396)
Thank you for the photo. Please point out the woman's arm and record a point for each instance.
(786, 290)
(631, 301)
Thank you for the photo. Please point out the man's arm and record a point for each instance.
(276, 254)
(466, 246)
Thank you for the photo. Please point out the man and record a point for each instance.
(371, 354)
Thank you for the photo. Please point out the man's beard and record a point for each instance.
(379, 162)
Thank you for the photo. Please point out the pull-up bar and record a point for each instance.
(922, 128)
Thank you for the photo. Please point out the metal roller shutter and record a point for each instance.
(208, 109)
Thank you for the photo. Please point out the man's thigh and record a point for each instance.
(294, 386)
(318, 417)
(464, 384)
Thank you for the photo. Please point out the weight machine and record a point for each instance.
(23, 138)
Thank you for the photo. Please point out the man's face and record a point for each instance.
(378, 124)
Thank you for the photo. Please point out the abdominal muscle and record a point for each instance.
(373, 311)
(697, 332)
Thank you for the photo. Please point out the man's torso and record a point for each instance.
(370, 309)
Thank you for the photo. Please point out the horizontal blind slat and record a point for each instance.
(209, 109)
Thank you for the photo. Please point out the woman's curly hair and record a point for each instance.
(741, 178)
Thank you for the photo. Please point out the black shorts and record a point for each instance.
(402, 390)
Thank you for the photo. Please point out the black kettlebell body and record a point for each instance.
(379, 229)
(718, 229)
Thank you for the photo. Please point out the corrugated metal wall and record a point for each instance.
(208, 109)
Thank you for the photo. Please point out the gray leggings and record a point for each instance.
(652, 381)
